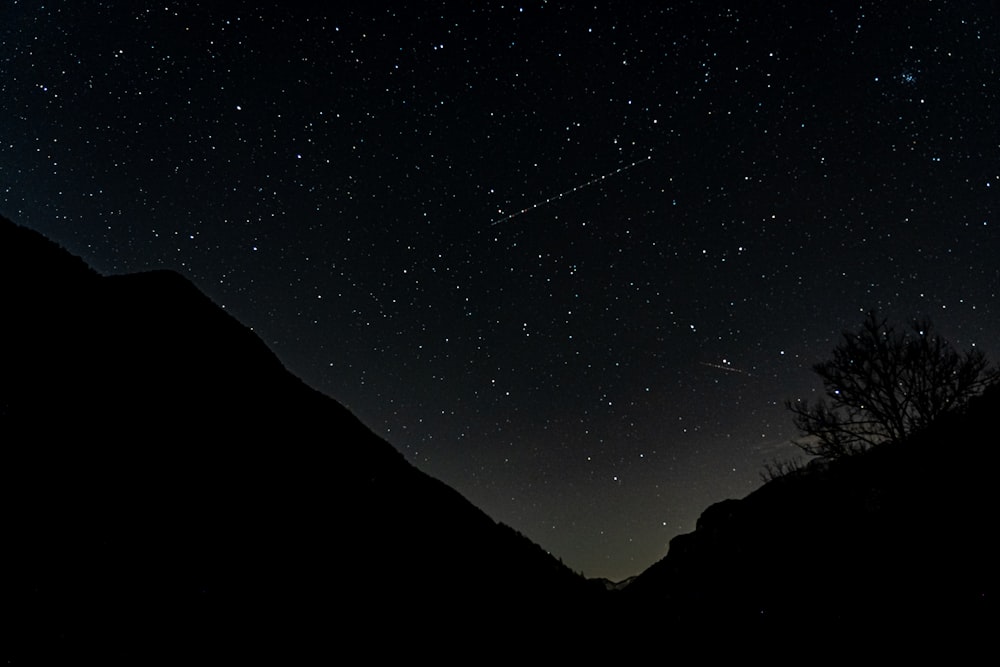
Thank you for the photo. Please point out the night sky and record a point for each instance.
(569, 259)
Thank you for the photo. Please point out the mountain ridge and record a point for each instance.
(140, 419)
(893, 533)
(169, 482)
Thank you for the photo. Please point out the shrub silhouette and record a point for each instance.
(777, 468)
(884, 383)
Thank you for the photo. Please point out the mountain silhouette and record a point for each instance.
(168, 483)
(171, 489)
(898, 539)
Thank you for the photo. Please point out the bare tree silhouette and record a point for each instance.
(884, 383)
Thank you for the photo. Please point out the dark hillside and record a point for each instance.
(902, 532)
(168, 483)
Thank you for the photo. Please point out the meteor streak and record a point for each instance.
(724, 367)
(571, 191)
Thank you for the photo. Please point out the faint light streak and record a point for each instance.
(553, 198)
(726, 367)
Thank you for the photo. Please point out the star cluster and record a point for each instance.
(570, 260)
